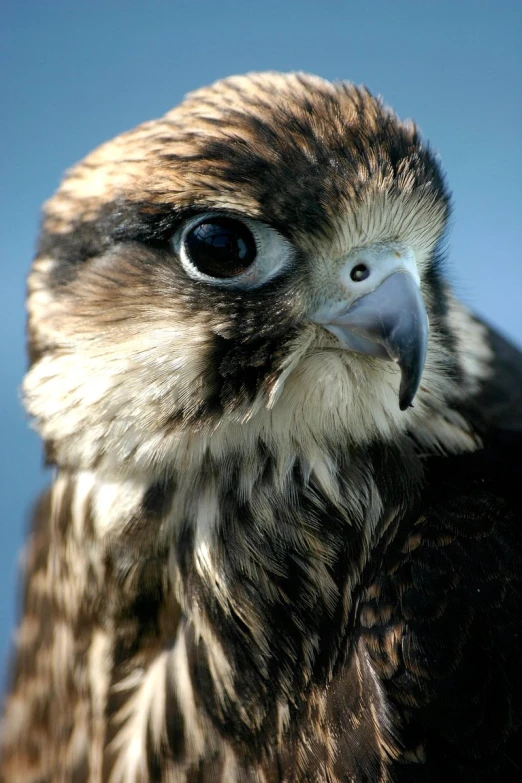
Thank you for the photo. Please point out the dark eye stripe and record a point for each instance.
(220, 247)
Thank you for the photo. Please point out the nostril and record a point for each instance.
(359, 272)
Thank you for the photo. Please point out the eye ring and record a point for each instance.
(359, 273)
(220, 247)
(258, 253)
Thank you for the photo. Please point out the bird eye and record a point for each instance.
(220, 247)
(227, 251)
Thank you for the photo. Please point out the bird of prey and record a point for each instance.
(283, 541)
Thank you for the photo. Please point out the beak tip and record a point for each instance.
(411, 373)
(405, 402)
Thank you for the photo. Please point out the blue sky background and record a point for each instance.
(74, 74)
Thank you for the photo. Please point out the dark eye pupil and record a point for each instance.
(221, 247)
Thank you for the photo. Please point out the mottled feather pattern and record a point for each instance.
(251, 565)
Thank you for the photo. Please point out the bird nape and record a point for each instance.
(284, 537)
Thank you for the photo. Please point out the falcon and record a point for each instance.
(283, 541)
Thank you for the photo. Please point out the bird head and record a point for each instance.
(263, 265)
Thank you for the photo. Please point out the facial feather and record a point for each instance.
(145, 361)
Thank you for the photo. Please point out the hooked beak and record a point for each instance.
(389, 322)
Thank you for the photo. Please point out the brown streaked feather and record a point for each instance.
(48, 723)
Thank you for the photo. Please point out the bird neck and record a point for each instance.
(270, 563)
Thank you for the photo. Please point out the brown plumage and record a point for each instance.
(257, 562)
